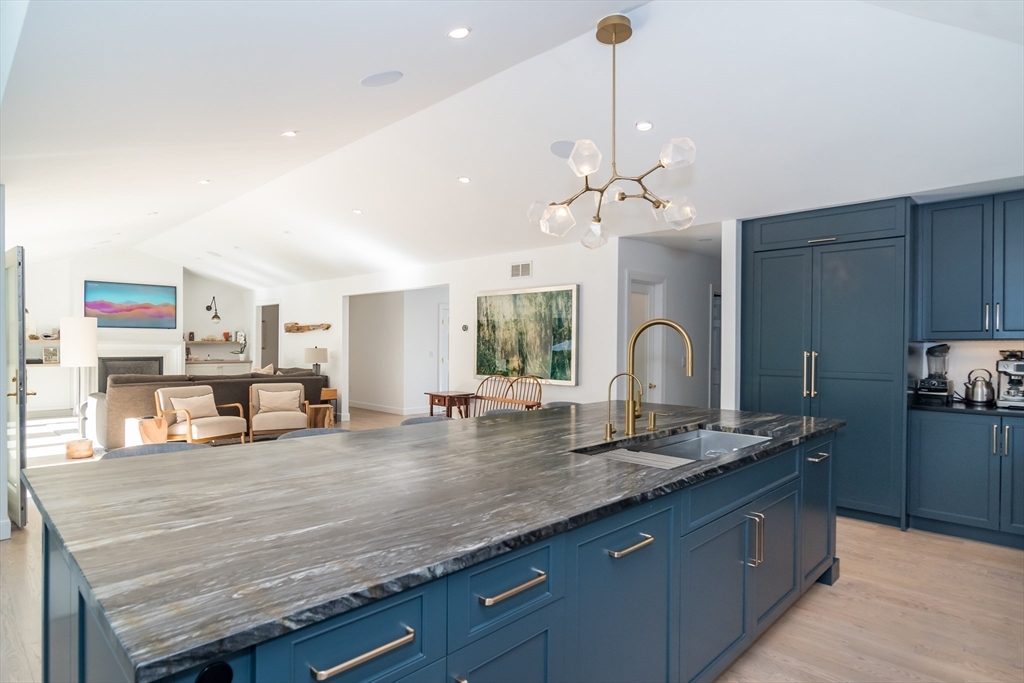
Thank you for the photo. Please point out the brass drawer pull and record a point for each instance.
(822, 239)
(410, 635)
(823, 456)
(648, 539)
(489, 602)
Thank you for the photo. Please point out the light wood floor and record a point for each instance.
(371, 419)
(909, 606)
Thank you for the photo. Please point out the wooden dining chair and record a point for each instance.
(526, 388)
(491, 394)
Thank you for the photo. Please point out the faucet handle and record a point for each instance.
(652, 420)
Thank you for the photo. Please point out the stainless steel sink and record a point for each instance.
(700, 444)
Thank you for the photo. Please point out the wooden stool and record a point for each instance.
(319, 416)
(142, 430)
(78, 449)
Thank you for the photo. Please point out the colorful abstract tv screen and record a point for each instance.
(122, 304)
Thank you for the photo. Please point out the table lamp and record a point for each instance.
(78, 350)
(316, 356)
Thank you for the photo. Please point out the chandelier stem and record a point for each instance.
(613, 103)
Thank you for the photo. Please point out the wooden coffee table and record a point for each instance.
(450, 399)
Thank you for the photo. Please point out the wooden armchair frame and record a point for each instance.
(187, 436)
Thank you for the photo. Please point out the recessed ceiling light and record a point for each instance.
(213, 253)
(463, 179)
(204, 182)
(289, 133)
(152, 213)
(458, 33)
(381, 79)
(562, 148)
(644, 126)
(357, 212)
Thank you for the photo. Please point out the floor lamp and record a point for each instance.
(78, 350)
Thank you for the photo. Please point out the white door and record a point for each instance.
(442, 347)
(643, 306)
(14, 327)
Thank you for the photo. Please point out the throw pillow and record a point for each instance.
(269, 370)
(197, 406)
(279, 401)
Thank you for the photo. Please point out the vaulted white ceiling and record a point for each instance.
(116, 110)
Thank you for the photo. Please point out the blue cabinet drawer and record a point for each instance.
(710, 500)
(529, 650)
(483, 598)
(431, 673)
(380, 642)
(874, 220)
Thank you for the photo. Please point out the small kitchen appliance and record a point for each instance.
(936, 387)
(979, 391)
(1011, 380)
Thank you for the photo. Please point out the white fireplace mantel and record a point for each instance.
(172, 353)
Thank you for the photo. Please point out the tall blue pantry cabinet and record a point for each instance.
(824, 333)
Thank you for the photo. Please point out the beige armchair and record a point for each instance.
(283, 414)
(196, 418)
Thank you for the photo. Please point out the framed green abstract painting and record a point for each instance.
(528, 332)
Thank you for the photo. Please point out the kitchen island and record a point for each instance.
(504, 548)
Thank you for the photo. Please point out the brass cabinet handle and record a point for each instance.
(823, 456)
(814, 373)
(986, 317)
(1006, 441)
(997, 316)
(760, 557)
(648, 539)
(995, 439)
(489, 602)
(410, 635)
(822, 239)
(807, 355)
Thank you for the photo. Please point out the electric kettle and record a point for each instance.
(978, 390)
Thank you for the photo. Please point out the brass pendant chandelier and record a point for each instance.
(556, 218)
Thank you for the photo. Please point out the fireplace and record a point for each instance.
(132, 365)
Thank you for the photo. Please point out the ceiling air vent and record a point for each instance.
(522, 269)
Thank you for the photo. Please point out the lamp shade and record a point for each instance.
(317, 354)
(78, 343)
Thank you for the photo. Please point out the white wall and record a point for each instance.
(689, 279)
(376, 329)
(5, 522)
(732, 250)
(595, 271)
(234, 305)
(421, 352)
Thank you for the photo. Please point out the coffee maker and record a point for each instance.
(1011, 380)
(936, 387)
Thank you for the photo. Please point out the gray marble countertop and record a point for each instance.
(197, 554)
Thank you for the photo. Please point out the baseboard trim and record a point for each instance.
(344, 417)
(5, 529)
(868, 516)
(389, 409)
(969, 532)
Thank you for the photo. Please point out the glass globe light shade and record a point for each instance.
(535, 213)
(557, 220)
(680, 213)
(585, 158)
(594, 237)
(678, 152)
(612, 194)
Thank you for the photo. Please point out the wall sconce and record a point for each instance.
(213, 307)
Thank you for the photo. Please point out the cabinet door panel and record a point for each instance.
(715, 594)
(816, 508)
(1012, 499)
(954, 474)
(776, 580)
(623, 606)
(781, 329)
(956, 269)
(1009, 265)
(528, 651)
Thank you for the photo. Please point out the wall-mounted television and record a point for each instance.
(127, 305)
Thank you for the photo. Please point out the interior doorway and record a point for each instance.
(647, 301)
(715, 392)
(270, 330)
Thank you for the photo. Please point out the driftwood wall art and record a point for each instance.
(295, 327)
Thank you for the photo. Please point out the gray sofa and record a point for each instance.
(133, 396)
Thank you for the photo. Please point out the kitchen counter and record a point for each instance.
(189, 556)
(964, 409)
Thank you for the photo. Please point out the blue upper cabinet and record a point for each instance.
(970, 265)
(955, 269)
(874, 220)
(1008, 273)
